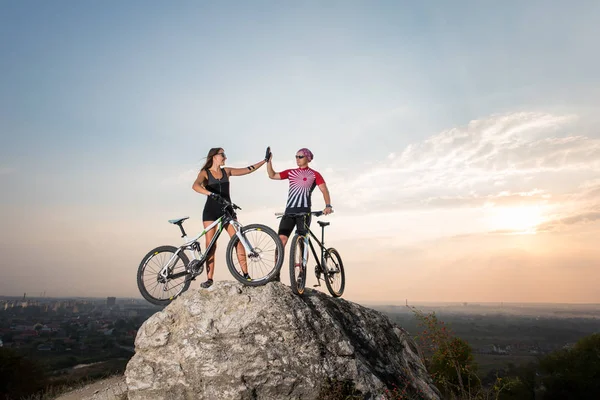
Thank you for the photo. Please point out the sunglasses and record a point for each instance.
(221, 154)
(300, 157)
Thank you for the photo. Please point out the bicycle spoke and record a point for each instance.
(153, 285)
(262, 262)
(334, 273)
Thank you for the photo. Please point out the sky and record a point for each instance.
(459, 140)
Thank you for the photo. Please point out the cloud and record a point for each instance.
(581, 207)
(503, 160)
(589, 191)
(504, 199)
(563, 223)
(498, 143)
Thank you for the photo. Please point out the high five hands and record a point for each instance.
(268, 154)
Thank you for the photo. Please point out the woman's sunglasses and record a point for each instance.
(221, 154)
(299, 156)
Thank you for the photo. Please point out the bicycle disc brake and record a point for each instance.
(255, 254)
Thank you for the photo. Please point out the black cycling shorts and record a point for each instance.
(212, 213)
(287, 224)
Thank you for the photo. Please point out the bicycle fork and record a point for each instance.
(238, 232)
(305, 252)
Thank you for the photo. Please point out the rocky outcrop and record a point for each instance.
(237, 342)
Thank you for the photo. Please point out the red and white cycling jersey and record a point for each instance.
(302, 183)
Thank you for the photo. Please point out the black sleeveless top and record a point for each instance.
(213, 209)
(218, 186)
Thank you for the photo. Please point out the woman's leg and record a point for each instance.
(210, 260)
(240, 250)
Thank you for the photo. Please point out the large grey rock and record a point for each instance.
(237, 342)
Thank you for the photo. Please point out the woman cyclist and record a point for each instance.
(213, 181)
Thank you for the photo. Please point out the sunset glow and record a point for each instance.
(515, 219)
(460, 141)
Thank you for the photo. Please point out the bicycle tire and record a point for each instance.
(297, 281)
(268, 246)
(338, 268)
(143, 284)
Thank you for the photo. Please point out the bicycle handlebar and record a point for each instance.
(315, 213)
(226, 203)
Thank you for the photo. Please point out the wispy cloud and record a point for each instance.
(564, 223)
(504, 160)
(505, 199)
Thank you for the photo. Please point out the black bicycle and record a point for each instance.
(329, 265)
(166, 271)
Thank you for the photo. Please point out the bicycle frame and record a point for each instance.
(320, 261)
(193, 248)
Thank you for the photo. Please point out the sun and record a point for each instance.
(523, 219)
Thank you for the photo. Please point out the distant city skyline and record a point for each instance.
(460, 141)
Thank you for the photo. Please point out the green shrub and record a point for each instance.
(19, 377)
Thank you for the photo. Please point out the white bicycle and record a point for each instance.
(252, 258)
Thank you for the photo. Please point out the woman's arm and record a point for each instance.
(244, 171)
(198, 184)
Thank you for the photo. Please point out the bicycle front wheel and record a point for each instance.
(263, 263)
(157, 289)
(297, 266)
(334, 275)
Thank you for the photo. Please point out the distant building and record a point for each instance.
(111, 301)
(45, 347)
(500, 350)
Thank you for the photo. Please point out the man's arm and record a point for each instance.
(328, 208)
(271, 171)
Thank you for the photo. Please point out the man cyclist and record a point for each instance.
(302, 182)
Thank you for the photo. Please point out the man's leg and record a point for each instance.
(284, 239)
(285, 229)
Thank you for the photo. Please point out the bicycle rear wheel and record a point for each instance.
(334, 275)
(153, 287)
(297, 267)
(266, 261)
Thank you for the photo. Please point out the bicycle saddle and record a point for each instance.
(178, 220)
(321, 223)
